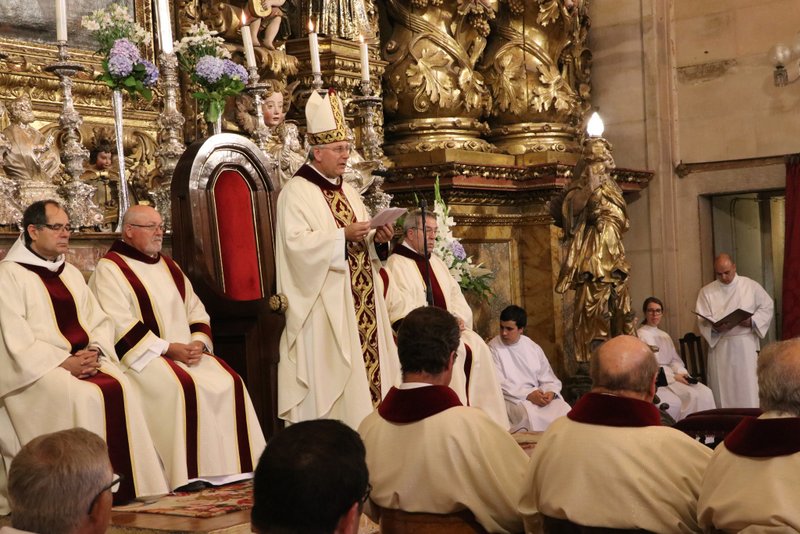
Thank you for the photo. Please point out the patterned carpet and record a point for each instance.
(210, 502)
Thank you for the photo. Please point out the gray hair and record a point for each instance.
(54, 479)
(779, 377)
(414, 217)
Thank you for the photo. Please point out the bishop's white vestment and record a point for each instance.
(683, 399)
(733, 354)
(200, 416)
(522, 368)
(428, 453)
(474, 377)
(337, 354)
(48, 313)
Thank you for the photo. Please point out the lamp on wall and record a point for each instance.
(781, 55)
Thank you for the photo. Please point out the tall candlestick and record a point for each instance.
(364, 61)
(61, 20)
(164, 26)
(313, 43)
(247, 41)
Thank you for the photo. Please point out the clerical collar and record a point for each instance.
(30, 249)
(612, 410)
(124, 249)
(408, 252)
(310, 173)
(765, 437)
(22, 254)
(412, 405)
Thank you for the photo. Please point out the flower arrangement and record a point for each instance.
(201, 54)
(119, 38)
(470, 277)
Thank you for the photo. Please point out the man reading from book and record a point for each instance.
(733, 344)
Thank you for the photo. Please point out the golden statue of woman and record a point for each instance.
(595, 217)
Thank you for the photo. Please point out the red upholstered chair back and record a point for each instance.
(712, 426)
(223, 214)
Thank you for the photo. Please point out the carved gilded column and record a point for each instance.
(434, 98)
(536, 67)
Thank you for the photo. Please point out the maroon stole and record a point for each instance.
(412, 405)
(361, 282)
(149, 323)
(611, 410)
(66, 314)
(438, 295)
(765, 438)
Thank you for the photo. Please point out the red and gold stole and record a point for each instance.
(361, 282)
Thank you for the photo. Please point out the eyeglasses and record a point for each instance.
(150, 227)
(429, 230)
(56, 227)
(113, 486)
(657, 312)
(341, 150)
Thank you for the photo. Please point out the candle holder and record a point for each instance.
(368, 106)
(257, 89)
(79, 196)
(170, 137)
(316, 83)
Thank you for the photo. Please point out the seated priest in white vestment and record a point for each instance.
(337, 354)
(474, 378)
(59, 367)
(197, 407)
(682, 396)
(426, 452)
(751, 485)
(609, 463)
(530, 387)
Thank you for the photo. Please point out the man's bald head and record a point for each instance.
(724, 268)
(624, 365)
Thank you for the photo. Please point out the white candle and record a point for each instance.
(164, 26)
(364, 61)
(247, 41)
(313, 43)
(61, 20)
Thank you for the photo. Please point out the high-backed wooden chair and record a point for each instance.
(693, 356)
(711, 426)
(400, 522)
(223, 214)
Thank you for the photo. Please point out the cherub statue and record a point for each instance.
(32, 156)
(266, 14)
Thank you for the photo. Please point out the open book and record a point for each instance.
(730, 320)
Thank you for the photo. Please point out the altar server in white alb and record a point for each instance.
(198, 409)
(531, 389)
(58, 367)
(474, 378)
(337, 355)
(733, 349)
(682, 397)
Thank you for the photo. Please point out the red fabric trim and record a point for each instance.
(385, 278)
(467, 369)
(64, 307)
(148, 314)
(438, 295)
(791, 253)
(610, 410)
(123, 249)
(242, 430)
(130, 339)
(238, 242)
(177, 276)
(309, 173)
(412, 405)
(765, 438)
(203, 328)
(119, 449)
(190, 403)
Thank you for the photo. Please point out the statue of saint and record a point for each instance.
(594, 218)
(32, 156)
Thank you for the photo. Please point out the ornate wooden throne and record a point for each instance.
(223, 215)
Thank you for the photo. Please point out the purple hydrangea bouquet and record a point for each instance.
(119, 38)
(471, 277)
(215, 77)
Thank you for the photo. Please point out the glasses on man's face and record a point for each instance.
(340, 150)
(113, 486)
(654, 311)
(429, 230)
(57, 228)
(150, 227)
